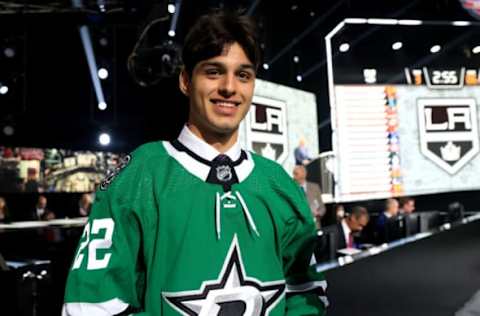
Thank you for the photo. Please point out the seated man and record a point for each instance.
(407, 205)
(41, 211)
(389, 215)
(351, 226)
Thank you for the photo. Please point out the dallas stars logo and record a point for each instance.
(232, 294)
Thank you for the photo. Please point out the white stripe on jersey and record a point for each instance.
(108, 308)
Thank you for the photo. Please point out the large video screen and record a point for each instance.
(53, 170)
(404, 101)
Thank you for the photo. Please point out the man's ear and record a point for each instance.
(184, 82)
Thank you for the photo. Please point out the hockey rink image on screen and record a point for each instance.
(405, 117)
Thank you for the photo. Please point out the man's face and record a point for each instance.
(393, 207)
(220, 91)
(409, 207)
(42, 202)
(357, 224)
(299, 174)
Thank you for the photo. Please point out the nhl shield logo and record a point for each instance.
(224, 173)
(448, 131)
(266, 129)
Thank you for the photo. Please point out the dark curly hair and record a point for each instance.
(211, 32)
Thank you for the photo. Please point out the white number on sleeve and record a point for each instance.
(95, 263)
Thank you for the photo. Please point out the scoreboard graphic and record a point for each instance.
(404, 108)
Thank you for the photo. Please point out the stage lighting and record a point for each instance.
(344, 47)
(104, 139)
(435, 49)
(8, 130)
(102, 73)
(9, 52)
(299, 78)
(102, 106)
(296, 59)
(171, 8)
(476, 50)
(171, 33)
(265, 66)
(3, 89)
(397, 45)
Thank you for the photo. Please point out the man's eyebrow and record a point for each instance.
(221, 65)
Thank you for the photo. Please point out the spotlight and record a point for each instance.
(266, 66)
(102, 106)
(104, 139)
(9, 52)
(299, 78)
(435, 49)
(103, 41)
(102, 73)
(8, 130)
(171, 33)
(397, 45)
(476, 50)
(3, 89)
(296, 59)
(171, 8)
(344, 47)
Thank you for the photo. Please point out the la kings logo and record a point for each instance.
(266, 129)
(232, 294)
(448, 131)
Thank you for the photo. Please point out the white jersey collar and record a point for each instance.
(207, 152)
(204, 150)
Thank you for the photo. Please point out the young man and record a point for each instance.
(198, 226)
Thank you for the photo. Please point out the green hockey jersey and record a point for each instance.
(162, 240)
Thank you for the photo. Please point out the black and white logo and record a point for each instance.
(112, 174)
(448, 131)
(232, 294)
(266, 128)
(224, 173)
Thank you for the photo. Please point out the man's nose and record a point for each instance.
(228, 85)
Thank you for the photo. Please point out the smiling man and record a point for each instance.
(198, 226)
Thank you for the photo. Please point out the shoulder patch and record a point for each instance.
(113, 173)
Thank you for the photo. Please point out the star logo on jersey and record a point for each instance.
(232, 294)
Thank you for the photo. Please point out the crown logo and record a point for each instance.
(450, 152)
(269, 152)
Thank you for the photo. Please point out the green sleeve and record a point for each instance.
(306, 288)
(107, 273)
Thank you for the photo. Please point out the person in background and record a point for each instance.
(4, 212)
(302, 156)
(41, 210)
(339, 212)
(312, 192)
(407, 205)
(84, 204)
(351, 226)
(32, 184)
(390, 214)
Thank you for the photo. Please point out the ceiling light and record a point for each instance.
(344, 47)
(435, 49)
(397, 45)
(104, 139)
(102, 73)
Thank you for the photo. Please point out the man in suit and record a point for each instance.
(351, 226)
(386, 220)
(312, 192)
(41, 211)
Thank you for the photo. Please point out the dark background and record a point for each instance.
(51, 102)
